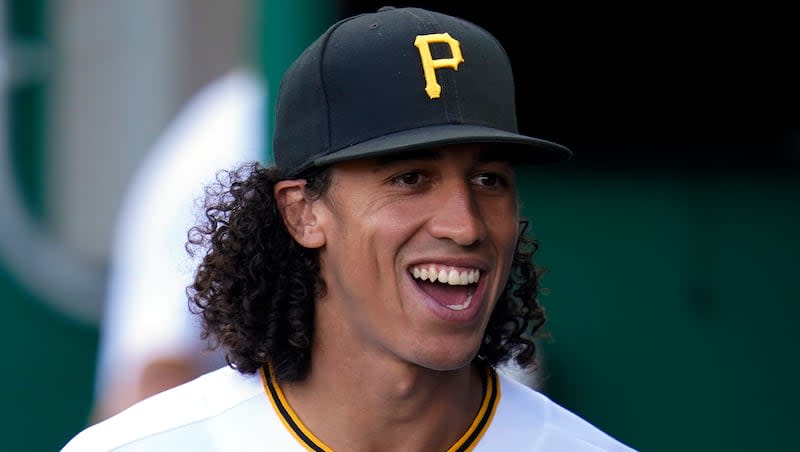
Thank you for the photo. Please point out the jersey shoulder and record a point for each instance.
(526, 419)
(192, 405)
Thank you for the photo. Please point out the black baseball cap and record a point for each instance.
(399, 79)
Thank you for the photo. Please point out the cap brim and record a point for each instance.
(515, 147)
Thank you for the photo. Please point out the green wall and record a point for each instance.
(48, 360)
(47, 371)
(672, 297)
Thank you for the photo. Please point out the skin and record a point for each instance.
(449, 208)
(156, 375)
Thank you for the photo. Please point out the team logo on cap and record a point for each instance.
(429, 65)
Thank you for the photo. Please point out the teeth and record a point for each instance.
(447, 275)
(452, 276)
(465, 304)
(461, 307)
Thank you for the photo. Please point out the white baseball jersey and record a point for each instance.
(227, 411)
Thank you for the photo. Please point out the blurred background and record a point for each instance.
(670, 240)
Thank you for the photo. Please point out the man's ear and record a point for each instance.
(298, 216)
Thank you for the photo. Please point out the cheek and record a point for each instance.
(507, 243)
(502, 220)
(393, 222)
(503, 226)
(365, 243)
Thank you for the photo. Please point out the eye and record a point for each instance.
(410, 178)
(490, 180)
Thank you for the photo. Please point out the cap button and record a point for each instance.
(385, 8)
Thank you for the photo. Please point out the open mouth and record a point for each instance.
(451, 287)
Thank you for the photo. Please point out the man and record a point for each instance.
(366, 286)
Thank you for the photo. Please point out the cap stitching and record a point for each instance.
(308, 162)
(325, 88)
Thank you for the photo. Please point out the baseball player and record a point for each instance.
(367, 286)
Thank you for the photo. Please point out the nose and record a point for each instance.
(457, 216)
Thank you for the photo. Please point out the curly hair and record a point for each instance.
(255, 287)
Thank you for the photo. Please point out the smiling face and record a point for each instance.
(416, 253)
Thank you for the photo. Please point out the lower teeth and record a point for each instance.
(467, 302)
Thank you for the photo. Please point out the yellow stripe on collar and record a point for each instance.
(467, 441)
(287, 415)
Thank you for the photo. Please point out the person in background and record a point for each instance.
(368, 286)
(149, 340)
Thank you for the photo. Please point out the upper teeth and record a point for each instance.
(448, 275)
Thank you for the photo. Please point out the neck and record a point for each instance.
(385, 405)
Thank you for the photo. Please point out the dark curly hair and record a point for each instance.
(255, 287)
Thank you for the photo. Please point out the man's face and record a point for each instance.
(417, 251)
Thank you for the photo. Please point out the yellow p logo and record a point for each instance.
(429, 65)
